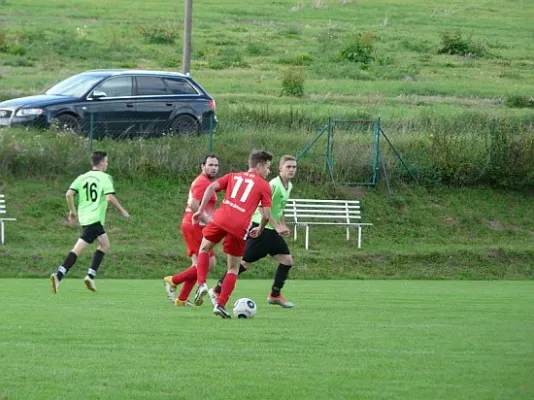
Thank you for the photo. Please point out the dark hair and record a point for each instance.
(259, 157)
(209, 156)
(97, 157)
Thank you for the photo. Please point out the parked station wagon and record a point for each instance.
(117, 103)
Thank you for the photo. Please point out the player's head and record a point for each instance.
(260, 160)
(99, 160)
(210, 166)
(288, 167)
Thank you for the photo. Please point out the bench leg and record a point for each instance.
(2, 231)
(307, 236)
(348, 232)
(295, 233)
(359, 237)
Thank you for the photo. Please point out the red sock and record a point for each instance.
(187, 287)
(227, 288)
(203, 264)
(187, 275)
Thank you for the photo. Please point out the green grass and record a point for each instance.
(241, 50)
(469, 233)
(343, 340)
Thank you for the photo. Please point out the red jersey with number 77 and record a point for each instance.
(244, 192)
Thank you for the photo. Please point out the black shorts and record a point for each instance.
(91, 232)
(269, 242)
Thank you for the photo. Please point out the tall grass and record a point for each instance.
(501, 157)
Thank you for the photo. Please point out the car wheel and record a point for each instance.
(185, 125)
(67, 123)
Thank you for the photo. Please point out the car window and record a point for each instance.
(151, 86)
(180, 86)
(75, 86)
(117, 87)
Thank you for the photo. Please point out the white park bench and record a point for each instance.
(307, 212)
(3, 218)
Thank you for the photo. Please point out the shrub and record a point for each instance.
(360, 49)
(165, 33)
(3, 41)
(297, 59)
(294, 30)
(329, 37)
(257, 49)
(519, 102)
(456, 43)
(227, 58)
(293, 82)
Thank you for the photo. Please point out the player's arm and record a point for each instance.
(194, 206)
(110, 197)
(283, 229)
(266, 201)
(210, 190)
(73, 215)
(265, 218)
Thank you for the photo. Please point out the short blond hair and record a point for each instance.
(286, 158)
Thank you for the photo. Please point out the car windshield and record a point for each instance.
(75, 86)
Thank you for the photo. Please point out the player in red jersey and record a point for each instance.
(192, 233)
(244, 192)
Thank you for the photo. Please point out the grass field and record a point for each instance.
(470, 233)
(241, 50)
(343, 340)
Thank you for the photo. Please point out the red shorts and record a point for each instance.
(193, 237)
(233, 245)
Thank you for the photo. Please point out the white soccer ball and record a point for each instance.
(245, 308)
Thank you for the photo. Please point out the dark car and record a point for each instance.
(117, 103)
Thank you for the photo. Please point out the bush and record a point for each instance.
(227, 58)
(456, 43)
(165, 33)
(293, 82)
(298, 59)
(360, 49)
(3, 41)
(519, 102)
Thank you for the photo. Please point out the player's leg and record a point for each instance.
(285, 262)
(85, 240)
(234, 247)
(283, 257)
(255, 249)
(192, 235)
(212, 235)
(102, 248)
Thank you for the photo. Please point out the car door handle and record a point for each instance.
(169, 104)
(129, 105)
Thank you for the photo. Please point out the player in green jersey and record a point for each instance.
(271, 241)
(95, 190)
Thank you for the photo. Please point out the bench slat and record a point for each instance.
(324, 201)
(332, 212)
(326, 216)
(331, 223)
(321, 207)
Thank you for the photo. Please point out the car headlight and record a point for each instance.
(24, 112)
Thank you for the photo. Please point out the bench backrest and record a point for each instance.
(325, 212)
(2, 205)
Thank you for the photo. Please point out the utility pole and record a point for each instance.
(188, 21)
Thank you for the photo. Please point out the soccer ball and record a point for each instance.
(245, 308)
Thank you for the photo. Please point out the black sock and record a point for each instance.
(280, 277)
(67, 264)
(218, 287)
(97, 260)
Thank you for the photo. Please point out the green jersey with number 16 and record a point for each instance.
(92, 188)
